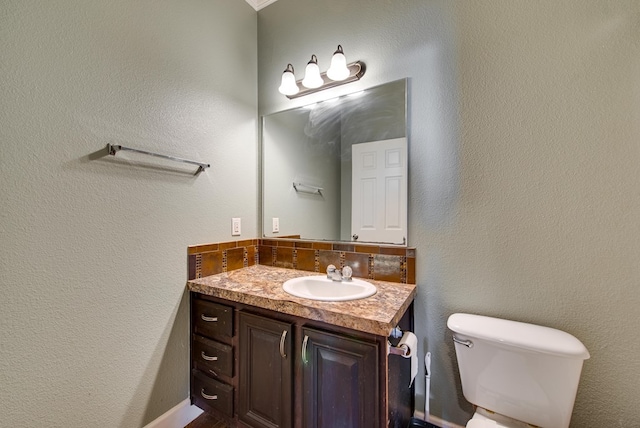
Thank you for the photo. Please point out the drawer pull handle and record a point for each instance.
(207, 357)
(208, 319)
(207, 396)
(282, 339)
(304, 349)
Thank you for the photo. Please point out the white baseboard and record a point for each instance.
(436, 420)
(177, 417)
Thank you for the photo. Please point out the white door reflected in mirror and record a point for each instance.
(379, 191)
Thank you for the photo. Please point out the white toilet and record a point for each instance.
(518, 375)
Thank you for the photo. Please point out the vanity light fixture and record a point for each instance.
(339, 73)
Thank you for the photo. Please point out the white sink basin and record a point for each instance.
(318, 287)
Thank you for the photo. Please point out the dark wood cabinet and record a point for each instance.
(212, 357)
(340, 381)
(211, 319)
(209, 393)
(263, 369)
(266, 368)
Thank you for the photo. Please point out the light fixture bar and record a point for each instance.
(356, 71)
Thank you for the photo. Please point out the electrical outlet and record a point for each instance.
(275, 221)
(235, 226)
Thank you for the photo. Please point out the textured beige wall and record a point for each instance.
(524, 172)
(523, 181)
(547, 224)
(93, 313)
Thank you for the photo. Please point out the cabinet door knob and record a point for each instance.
(207, 396)
(207, 357)
(304, 349)
(282, 339)
(208, 319)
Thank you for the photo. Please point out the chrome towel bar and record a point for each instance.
(305, 188)
(112, 149)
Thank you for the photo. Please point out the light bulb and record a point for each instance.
(288, 86)
(312, 77)
(338, 70)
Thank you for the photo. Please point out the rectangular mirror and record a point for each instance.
(307, 168)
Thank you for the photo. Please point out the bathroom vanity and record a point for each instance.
(263, 358)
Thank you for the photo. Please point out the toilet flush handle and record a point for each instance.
(467, 343)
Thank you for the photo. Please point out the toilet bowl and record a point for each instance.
(483, 418)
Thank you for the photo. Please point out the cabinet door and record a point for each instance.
(265, 375)
(340, 381)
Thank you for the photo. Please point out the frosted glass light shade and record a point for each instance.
(312, 77)
(288, 85)
(338, 70)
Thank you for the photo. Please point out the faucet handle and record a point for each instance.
(347, 273)
(330, 269)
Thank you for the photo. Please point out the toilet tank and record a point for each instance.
(524, 371)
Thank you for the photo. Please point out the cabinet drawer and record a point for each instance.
(207, 392)
(212, 357)
(211, 319)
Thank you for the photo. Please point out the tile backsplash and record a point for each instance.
(210, 259)
(379, 262)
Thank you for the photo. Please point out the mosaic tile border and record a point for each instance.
(386, 263)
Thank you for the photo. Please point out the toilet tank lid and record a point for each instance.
(518, 334)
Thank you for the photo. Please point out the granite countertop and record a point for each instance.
(261, 286)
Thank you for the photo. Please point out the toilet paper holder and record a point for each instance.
(402, 350)
(407, 347)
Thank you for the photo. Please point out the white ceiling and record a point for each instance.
(259, 4)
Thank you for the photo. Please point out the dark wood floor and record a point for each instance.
(205, 420)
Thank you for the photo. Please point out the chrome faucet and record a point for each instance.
(334, 273)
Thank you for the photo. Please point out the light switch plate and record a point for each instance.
(235, 226)
(275, 222)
